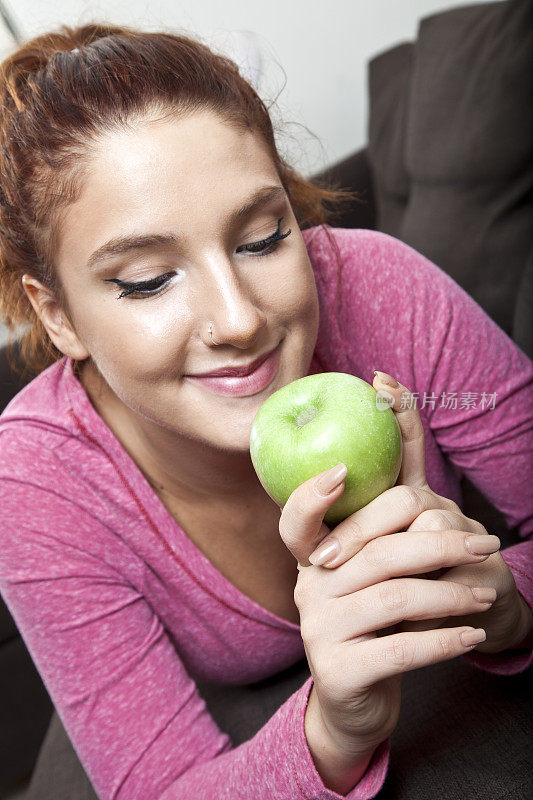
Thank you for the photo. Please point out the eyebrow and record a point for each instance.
(124, 244)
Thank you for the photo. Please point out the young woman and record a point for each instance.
(150, 234)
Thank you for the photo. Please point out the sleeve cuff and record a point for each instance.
(309, 781)
(509, 662)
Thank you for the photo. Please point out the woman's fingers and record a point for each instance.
(382, 657)
(440, 519)
(393, 601)
(398, 507)
(301, 524)
(404, 554)
(402, 403)
(393, 510)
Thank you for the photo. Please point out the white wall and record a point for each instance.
(5, 42)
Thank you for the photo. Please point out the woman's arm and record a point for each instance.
(403, 315)
(131, 710)
(489, 435)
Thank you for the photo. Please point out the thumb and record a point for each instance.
(403, 404)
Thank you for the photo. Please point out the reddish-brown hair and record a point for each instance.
(54, 104)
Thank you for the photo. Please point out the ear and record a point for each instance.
(54, 319)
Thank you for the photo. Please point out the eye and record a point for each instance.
(146, 288)
(155, 286)
(268, 245)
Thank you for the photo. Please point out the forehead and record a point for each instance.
(166, 174)
(190, 154)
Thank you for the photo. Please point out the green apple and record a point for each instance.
(316, 422)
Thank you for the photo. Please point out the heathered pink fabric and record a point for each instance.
(121, 612)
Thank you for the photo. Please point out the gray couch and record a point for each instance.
(449, 170)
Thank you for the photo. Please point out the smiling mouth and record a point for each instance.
(244, 385)
(236, 371)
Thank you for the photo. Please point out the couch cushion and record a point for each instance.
(452, 128)
(470, 111)
(26, 709)
(8, 629)
(388, 88)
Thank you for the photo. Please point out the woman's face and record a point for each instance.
(186, 178)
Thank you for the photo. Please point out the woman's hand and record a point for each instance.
(347, 613)
(355, 699)
(439, 524)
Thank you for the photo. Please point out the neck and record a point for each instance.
(210, 477)
(179, 469)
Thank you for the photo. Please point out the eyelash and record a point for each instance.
(156, 285)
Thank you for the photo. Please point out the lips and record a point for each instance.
(244, 385)
(235, 372)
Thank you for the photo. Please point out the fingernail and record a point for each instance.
(325, 553)
(481, 545)
(387, 379)
(328, 482)
(484, 594)
(470, 638)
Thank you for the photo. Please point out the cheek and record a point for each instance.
(303, 298)
(292, 289)
(145, 336)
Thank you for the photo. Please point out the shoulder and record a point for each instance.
(384, 302)
(60, 493)
(43, 400)
(47, 415)
(41, 448)
(31, 427)
(373, 269)
(361, 248)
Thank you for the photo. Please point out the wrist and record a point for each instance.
(517, 633)
(341, 762)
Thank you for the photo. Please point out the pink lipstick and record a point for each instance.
(244, 386)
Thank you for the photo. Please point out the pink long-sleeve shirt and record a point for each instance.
(121, 612)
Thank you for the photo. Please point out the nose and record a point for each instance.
(231, 305)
